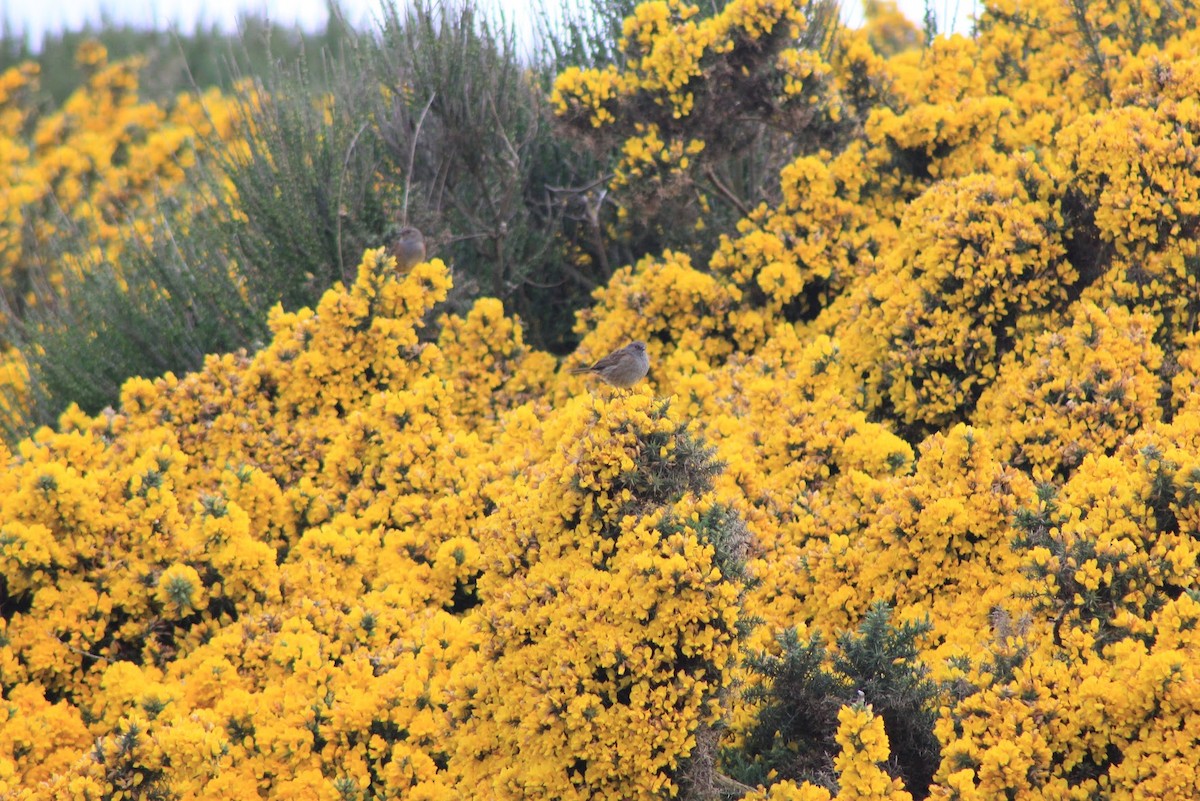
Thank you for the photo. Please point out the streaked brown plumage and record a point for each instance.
(623, 367)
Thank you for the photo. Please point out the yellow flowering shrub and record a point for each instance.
(618, 566)
(38, 738)
(949, 374)
(1056, 727)
(864, 748)
(938, 539)
(667, 48)
(1036, 54)
(669, 301)
(806, 459)
(1091, 664)
(1107, 550)
(313, 640)
(1185, 383)
(1134, 164)
(793, 261)
(1081, 390)
(84, 184)
(952, 125)
(493, 369)
(694, 90)
(978, 262)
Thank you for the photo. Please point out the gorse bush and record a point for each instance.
(907, 506)
(698, 144)
(96, 209)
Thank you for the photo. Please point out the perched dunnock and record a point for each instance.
(623, 367)
(408, 248)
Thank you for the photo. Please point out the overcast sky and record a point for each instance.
(35, 17)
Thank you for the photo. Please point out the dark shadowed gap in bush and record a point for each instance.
(806, 684)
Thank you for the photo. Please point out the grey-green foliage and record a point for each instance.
(488, 161)
(308, 191)
(437, 119)
(582, 33)
(163, 309)
(174, 58)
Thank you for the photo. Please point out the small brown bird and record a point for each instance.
(408, 248)
(623, 367)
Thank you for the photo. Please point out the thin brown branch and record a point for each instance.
(726, 192)
(341, 186)
(412, 158)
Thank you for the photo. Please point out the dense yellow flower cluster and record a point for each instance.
(1007, 251)
(978, 261)
(797, 256)
(305, 571)
(666, 49)
(608, 624)
(98, 163)
(1083, 390)
(954, 369)
(685, 85)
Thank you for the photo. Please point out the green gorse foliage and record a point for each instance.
(805, 685)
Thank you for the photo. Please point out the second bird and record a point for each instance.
(408, 248)
(623, 367)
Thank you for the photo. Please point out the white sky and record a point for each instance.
(35, 17)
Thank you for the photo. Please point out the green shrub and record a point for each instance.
(170, 304)
(805, 686)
